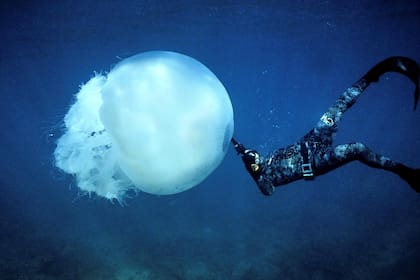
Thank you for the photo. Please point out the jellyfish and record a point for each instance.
(159, 122)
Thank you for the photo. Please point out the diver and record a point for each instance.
(314, 154)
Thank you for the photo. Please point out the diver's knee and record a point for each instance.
(358, 147)
(351, 149)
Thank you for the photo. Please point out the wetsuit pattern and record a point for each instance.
(285, 165)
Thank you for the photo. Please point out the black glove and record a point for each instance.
(240, 149)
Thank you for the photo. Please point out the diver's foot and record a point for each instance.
(411, 176)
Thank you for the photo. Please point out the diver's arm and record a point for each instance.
(265, 185)
(254, 165)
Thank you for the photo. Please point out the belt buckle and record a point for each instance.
(307, 171)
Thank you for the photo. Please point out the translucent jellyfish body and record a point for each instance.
(159, 122)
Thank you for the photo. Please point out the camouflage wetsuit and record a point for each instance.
(314, 153)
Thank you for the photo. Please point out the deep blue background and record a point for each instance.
(283, 64)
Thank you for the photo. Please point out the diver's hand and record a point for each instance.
(240, 149)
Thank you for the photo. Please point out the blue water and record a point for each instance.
(283, 64)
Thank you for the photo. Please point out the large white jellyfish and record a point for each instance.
(159, 122)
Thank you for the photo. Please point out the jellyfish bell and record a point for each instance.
(159, 122)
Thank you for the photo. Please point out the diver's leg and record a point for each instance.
(323, 132)
(326, 158)
(328, 124)
(357, 151)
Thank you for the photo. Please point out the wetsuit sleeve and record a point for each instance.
(265, 185)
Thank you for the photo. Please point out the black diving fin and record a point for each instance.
(400, 64)
(410, 175)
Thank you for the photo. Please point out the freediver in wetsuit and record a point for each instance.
(314, 154)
